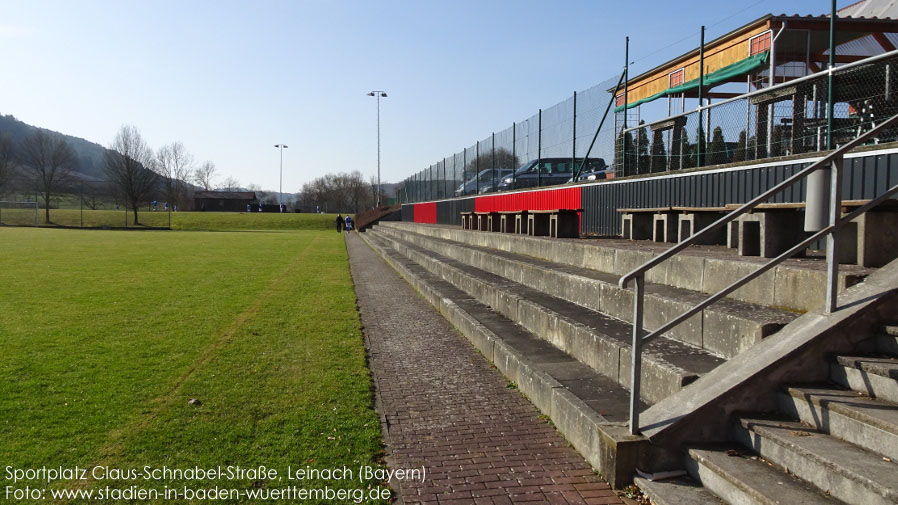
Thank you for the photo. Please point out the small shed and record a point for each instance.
(224, 201)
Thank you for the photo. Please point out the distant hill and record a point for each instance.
(89, 164)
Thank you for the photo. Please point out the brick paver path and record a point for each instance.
(447, 409)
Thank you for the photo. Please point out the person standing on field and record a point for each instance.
(340, 223)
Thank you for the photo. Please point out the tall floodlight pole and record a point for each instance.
(379, 94)
(281, 186)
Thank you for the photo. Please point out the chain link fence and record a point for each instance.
(559, 137)
(782, 120)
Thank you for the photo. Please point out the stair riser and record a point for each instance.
(870, 384)
(797, 289)
(887, 344)
(607, 356)
(719, 332)
(836, 484)
(839, 425)
(721, 485)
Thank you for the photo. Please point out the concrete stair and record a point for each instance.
(588, 408)
(827, 444)
(796, 284)
(600, 341)
(725, 329)
(549, 315)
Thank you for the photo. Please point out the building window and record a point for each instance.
(759, 43)
(675, 78)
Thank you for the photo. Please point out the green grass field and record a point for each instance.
(209, 221)
(106, 335)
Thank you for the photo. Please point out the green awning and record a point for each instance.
(724, 74)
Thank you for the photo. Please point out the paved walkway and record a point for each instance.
(445, 407)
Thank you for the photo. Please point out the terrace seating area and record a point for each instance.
(558, 223)
(549, 314)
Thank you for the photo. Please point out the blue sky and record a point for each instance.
(231, 79)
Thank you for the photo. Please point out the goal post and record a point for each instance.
(19, 213)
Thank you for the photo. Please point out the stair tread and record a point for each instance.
(875, 412)
(683, 356)
(834, 454)
(764, 482)
(679, 491)
(606, 397)
(757, 312)
(883, 366)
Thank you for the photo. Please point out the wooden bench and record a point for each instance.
(509, 220)
(694, 219)
(558, 223)
(639, 223)
(769, 230)
(488, 221)
(871, 239)
(467, 221)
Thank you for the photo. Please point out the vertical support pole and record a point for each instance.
(493, 163)
(636, 353)
(514, 152)
(574, 140)
(539, 149)
(625, 147)
(464, 172)
(701, 84)
(82, 204)
(829, 77)
(477, 170)
(832, 240)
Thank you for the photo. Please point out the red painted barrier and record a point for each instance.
(550, 199)
(425, 213)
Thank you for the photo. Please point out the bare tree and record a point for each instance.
(128, 165)
(50, 160)
(7, 162)
(229, 184)
(204, 175)
(174, 163)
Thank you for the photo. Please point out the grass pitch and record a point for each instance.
(106, 335)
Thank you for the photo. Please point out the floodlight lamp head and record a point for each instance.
(382, 94)
(371, 94)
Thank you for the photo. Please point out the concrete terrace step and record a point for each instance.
(873, 376)
(741, 479)
(797, 284)
(589, 409)
(848, 415)
(726, 328)
(601, 342)
(679, 491)
(842, 469)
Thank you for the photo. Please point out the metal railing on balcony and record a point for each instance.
(836, 220)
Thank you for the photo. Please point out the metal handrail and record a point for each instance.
(836, 220)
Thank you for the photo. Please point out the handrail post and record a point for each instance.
(636, 353)
(832, 241)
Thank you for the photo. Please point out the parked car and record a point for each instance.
(484, 182)
(596, 174)
(552, 171)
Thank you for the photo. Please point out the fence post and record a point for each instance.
(539, 149)
(477, 169)
(701, 84)
(493, 163)
(574, 137)
(514, 152)
(829, 78)
(626, 91)
(82, 204)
